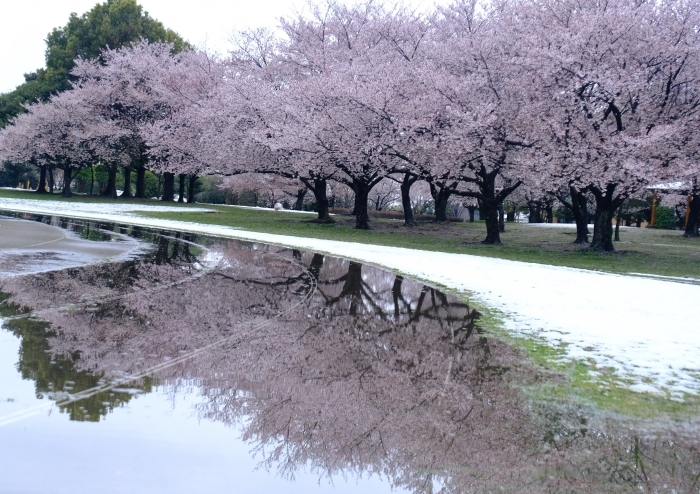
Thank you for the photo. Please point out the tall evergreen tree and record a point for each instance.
(113, 24)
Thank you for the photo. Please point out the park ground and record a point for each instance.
(641, 250)
(622, 327)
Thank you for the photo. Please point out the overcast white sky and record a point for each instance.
(24, 25)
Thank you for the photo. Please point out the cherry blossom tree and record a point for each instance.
(125, 86)
(347, 74)
(619, 82)
(478, 141)
(62, 133)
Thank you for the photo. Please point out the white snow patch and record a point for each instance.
(40, 206)
(655, 343)
(270, 209)
(555, 225)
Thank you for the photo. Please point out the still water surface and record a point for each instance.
(148, 361)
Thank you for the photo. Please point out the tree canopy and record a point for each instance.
(112, 24)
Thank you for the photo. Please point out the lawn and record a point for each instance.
(641, 250)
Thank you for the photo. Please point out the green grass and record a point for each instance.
(641, 250)
(649, 251)
(583, 382)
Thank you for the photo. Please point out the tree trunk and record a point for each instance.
(535, 215)
(299, 203)
(549, 213)
(181, 189)
(490, 213)
(52, 183)
(618, 221)
(501, 217)
(408, 218)
(605, 207)
(111, 189)
(140, 183)
(510, 215)
(471, 210)
(361, 198)
(354, 205)
(491, 202)
(319, 188)
(127, 184)
(579, 208)
(42, 179)
(168, 187)
(691, 229)
(191, 187)
(92, 179)
(67, 178)
(441, 196)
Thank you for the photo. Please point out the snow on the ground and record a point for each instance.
(570, 225)
(557, 225)
(59, 207)
(258, 208)
(646, 329)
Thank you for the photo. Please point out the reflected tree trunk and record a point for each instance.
(316, 265)
(396, 294)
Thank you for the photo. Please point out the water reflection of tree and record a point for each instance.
(375, 373)
(144, 304)
(52, 374)
(380, 378)
(56, 368)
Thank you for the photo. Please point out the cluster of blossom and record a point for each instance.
(478, 100)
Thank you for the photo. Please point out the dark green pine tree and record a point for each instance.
(113, 24)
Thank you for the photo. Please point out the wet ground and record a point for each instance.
(149, 361)
(31, 246)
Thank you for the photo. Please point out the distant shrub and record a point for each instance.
(209, 191)
(665, 218)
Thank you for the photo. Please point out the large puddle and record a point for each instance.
(143, 361)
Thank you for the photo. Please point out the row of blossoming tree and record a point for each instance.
(481, 100)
